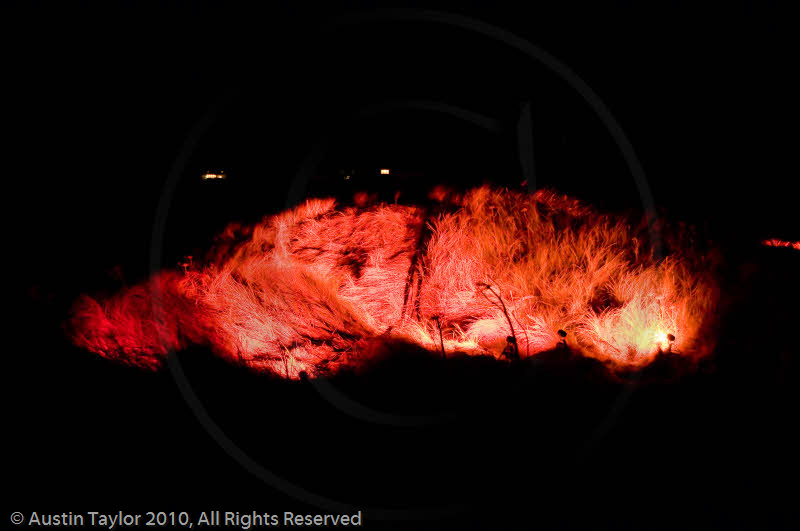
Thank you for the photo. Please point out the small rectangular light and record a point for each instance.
(207, 176)
(384, 172)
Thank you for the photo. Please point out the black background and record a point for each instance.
(101, 103)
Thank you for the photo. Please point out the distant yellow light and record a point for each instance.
(207, 176)
(384, 172)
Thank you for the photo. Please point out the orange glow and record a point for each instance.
(384, 172)
(318, 289)
(207, 176)
(775, 242)
(662, 340)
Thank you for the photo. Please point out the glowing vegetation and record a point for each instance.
(775, 242)
(317, 289)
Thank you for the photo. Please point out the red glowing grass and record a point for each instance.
(317, 289)
(775, 242)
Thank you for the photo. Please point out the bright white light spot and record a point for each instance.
(384, 172)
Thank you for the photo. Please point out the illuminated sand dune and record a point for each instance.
(318, 289)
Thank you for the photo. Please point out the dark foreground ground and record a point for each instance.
(553, 442)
